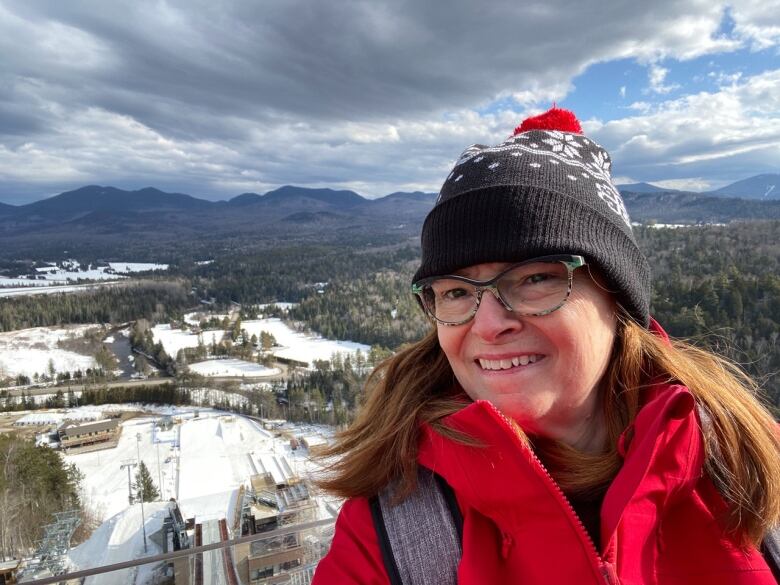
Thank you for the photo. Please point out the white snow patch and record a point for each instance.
(28, 351)
(128, 267)
(282, 305)
(121, 539)
(232, 367)
(175, 339)
(46, 288)
(203, 460)
(299, 346)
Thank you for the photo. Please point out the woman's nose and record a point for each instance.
(492, 319)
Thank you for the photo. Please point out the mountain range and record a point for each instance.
(764, 187)
(95, 218)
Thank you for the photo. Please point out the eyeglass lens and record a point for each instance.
(529, 289)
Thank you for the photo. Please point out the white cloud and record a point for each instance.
(656, 77)
(757, 22)
(218, 98)
(731, 133)
(721, 78)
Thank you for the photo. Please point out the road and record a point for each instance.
(47, 390)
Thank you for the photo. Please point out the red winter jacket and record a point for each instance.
(657, 521)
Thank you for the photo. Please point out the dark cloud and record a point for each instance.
(342, 59)
(246, 95)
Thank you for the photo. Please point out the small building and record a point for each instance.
(8, 571)
(314, 443)
(266, 507)
(90, 436)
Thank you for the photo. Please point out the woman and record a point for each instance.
(581, 444)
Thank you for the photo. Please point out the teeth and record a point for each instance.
(505, 364)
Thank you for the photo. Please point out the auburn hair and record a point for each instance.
(417, 385)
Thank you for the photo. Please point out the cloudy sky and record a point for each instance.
(219, 98)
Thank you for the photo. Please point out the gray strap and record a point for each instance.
(771, 549)
(422, 534)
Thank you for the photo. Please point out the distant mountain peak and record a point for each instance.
(641, 188)
(339, 198)
(765, 186)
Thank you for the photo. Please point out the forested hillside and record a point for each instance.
(34, 484)
(719, 285)
(117, 304)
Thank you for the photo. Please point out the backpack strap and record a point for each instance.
(420, 537)
(770, 547)
(771, 550)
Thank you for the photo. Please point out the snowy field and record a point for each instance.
(196, 317)
(175, 339)
(130, 267)
(28, 351)
(52, 417)
(51, 278)
(282, 305)
(202, 462)
(19, 291)
(299, 346)
(232, 367)
(293, 345)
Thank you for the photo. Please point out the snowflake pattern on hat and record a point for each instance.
(546, 190)
(585, 158)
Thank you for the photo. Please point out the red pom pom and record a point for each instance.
(552, 119)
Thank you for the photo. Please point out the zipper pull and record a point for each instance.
(609, 573)
(506, 544)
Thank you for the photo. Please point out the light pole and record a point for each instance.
(128, 464)
(157, 444)
(141, 486)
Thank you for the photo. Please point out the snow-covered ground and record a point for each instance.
(232, 367)
(51, 278)
(196, 317)
(292, 344)
(299, 346)
(282, 305)
(120, 539)
(44, 289)
(28, 351)
(202, 462)
(210, 454)
(175, 339)
(52, 417)
(129, 267)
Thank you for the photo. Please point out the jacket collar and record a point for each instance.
(503, 479)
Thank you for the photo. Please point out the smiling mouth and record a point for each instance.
(506, 364)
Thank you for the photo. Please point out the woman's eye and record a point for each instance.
(453, 294)
(536, 278)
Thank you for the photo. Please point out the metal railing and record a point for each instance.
(170, 556)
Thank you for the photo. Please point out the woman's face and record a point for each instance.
(562, 357)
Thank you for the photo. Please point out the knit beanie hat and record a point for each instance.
(545, 190)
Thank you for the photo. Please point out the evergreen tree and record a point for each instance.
(144, 486)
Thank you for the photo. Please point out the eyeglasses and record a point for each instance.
(532, 288)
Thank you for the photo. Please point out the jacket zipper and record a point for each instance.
(607, 569)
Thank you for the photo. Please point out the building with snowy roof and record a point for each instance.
(314, 443)
(8, 571)
(90, 436)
